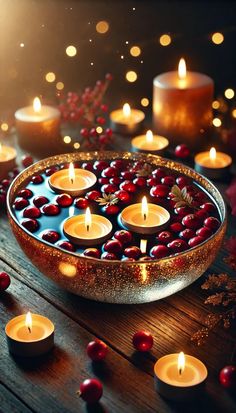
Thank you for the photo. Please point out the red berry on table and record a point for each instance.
(159, 190)
(37, 179)
(113, 245)
(208, 207)
(30, 224)
(20, 203)
(100, 165)
(111, 209)
(187, 233)
(108, 256)
(132, 252)
(159, 251)
(40, 200)
(193, 242)
(212, 223)
(182, 151)
(178, 245)
(123, 196)
(64, 200)
(81, 203)
(168, 180)
(142, 341)
(92, 252)
(204, 232)
(125, 237)
(165, 237)
(27, 160)
(25, 193)
(5, 281)
(110, 172)
(66, 245)
(176, 227)
(51, 209)
(93, 195)
(97, 350)
(31, 212)
(227, 377)
(140, 182)
(191, 221)
(91, 390)
(128, 186)
(50, 236)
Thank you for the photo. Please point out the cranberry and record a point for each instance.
(123, 196)
(187, 233)
(30, 224)
(93, 195)
(31, 212)
(51, 209)
(92, 252)
(132, 252)
(117, 163)
(66, 245)
(182, 151)
(91, 390)
(159, 190)
(159, 251)
(168, 180)
(111, 209)
(182, 181)
(109, 189)
(5, 281)
(182, 211)
(204, 232)
(142, 341)
(103, 181)
(108, 256)
(178, 245)
(109, 172)
(81, 203)
(193, 242)
(202, 215)
(37, 179)
(20, 203)
(50, 236)
(115, 181)
(88, 166)
(100, 165)
(113, 245)
(128, 186)
(191, 221)
(128, 175)
(212, 223)
(152, 181)
(227, 377)
(40, 200)
(97, 350)
(200, 196)
(27, 160)
(165, 237)
(159, 173)
(25, 193)
(64, 200)
(51, 170)
(208, 207)
(125, 237)
(5, 183)
(140, 182)
(176, 227)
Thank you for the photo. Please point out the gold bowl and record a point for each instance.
(117, 281)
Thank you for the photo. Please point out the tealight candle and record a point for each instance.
(144, 218)
(179, 377)
(73, 181)
(87, 229)
(150, 143)
(7, 160)
(29, 335)
(182, 105)
(38, 127)
(212, 164)
(126, 121)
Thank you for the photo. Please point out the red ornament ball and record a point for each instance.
(142, 341)
(97, 350)
(182, 151)
(227, 377)
(5, 281)
(91, 390)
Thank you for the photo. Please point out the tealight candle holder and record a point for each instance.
(72, 181)
(212, 164)
(179, 377)
(150, 143)
(126, 121)
(87, 229)
(144, 218)
(29, 335)
(7, 160)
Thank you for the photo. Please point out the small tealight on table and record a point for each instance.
(179, 377)
(126, 120)
(87, 229)
(144, 218)
(150, 143)
(29, 335)
(212, 164)
(72, 181)
(7, 160)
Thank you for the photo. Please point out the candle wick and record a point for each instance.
(180, 371)
(29, 329)
(72, 181)
(144, 216)
(87, 226)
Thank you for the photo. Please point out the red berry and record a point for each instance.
(125, 237)
(20, 203)
(110, 172)
(84, 132)
(108, 256)
(182, 151)
(115, 181)
(202, 215)
(91, 390)
(51, 209)
(5, 183)
(158, 173)
(127, 175)
(204, 232)
(200, 196)
(25, 193)
(5, 281)
(50, 171)
(103, 181)
(191, 221)
(31, 212)
(81, 203)
(93, 195)
(227, 377)
(165, 237)
(111, 209)
(30, 224)
(159, 251)
(40, 200)
(128, 186)
(182, 211)
(187, 233)
(66, 245)
(182, 181)
(123, 196)
(64, 200)
(178, 245)
(37, 179)
(50, 236)
(132, 252)
(92, 252)
(97, 350)
(193, 242)
(117, 163)
(152, 181)
(100, 165)
(159, 190)
(176, 227)
(208, 207)
(27, 160)
(88, 166)
(168, 180)
(142, 341)
(109, 188)
(212, 223)
(109, 132)
(140, 182)
(114, 246)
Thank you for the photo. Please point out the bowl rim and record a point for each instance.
(120, 154)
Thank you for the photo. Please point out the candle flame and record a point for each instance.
(126, 110)
(71, 172)
(37, 105)
(88, 219)
(143, 246)
(0, 147)
(181, 362)
(149, 136)
(182, 71)
(144, 208)
(212, 154)
(28, 321)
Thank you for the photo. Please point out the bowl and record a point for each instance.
(117, 281)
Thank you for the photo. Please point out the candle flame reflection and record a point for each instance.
(182, 71)
(143, 246)
(126, 110)
(212, 154)
(28, 321)
(37, 105)
(88, 219)
(149, 136)
(181, 362)
(144, 208)
(71, 172)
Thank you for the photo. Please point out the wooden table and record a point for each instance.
(49, 384)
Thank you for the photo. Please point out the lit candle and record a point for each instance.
(182, 105)
(7, 160)
(150, 143)
(73, 181)
(29, 335)
(38, 127)
(87, 229)
(179, 377)
(213, 164)
(126, 120)
(144, 218)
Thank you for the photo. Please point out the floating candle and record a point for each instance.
(73, 181)
(30, 335)
(87, 229)
(213, 164)
(182, 105)
(7, 160)
(150, 143)
(126, 120)
(179, 377)
(144, 218)
(38, 127)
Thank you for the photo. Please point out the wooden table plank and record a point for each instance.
(10, 403)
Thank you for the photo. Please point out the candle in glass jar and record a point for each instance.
(126, 120)
(7, 160)
(213, 164)
(150, 143)
(182, 106)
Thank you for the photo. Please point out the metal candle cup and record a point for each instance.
(179, 382)
(212, 164)
(31, 341)
(150, 143)
(126, 121)
(7, 160)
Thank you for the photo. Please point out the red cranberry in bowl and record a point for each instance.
(50, 236)
(128, 175)
(117, 163)
(168, 180)
(93, 195)
(113, 245)
(187, 233)
(191, 221)
(50, 171)
(25, 193)
(208, 207)
(66, 245)
(92, 252)
(37, 179)
(128, 186)
(64, 200)
(5, 183)
(40, 200)
(81, 203)
(182, 211)
(182, 181)
(152, 181)
(159, 251)
(115, 180)
(178, 245)
(20, 203)
(125, 237)
(108, 256)
(165, 237)
(123, 196)
(31, 212)
(204, 232)
(111, 209)
(140, 182)
(176, 227)
(103, 181)
(158, 173)
(159, 190)
(193, 242)
(88, 166)
(100, 165)
(51, 209)
(202, 215)
(30, 224)
(110, 172)
(132, 252)
(109, 188)
(212, 223)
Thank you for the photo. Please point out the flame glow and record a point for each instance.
(88, 219)
(28, 321)
(212, 154)
(149, 136)
(143, 246)
(144, 208)
(182, 71)
(37, 105)
(71, 172)
(0, 147)
(126, 110)
(181, 362)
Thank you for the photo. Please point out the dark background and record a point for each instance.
(47, 27)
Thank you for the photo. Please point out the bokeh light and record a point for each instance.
(215, 104)
(165, 40)
(4, 127)
(22, 44)
(99, 129)
(71, 51)
(131, 76)
(76, 145)
(60, 85)
(102, 27)
(217, 38)
(229, 93)
(144, 102)
(67, 139)
(50, 77)
(135, 51)
(234, 113)
(217, 122)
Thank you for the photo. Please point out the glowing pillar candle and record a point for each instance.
(7, 160)
(126, 120)
(182, 106)
(150, 143)
(212, 164)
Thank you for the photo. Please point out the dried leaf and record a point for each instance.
(146, 170)
(107, 199)
(181, 197)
